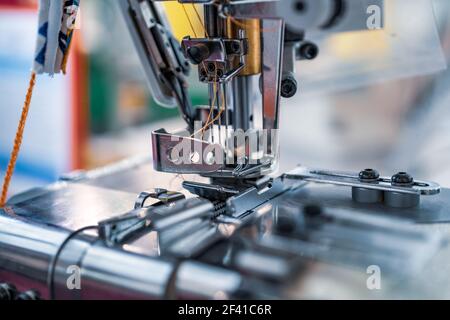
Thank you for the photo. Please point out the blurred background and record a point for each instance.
(377, 99)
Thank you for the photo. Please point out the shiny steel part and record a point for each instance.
(196, 281)
(307, 15)
(401, 200)
(353, 238)
(179, 154)
(252, 32)
(162, 196)
(219, 60)
(107, 273)
(164, 65)
(242, 102)
(132, 225)
(364, 195)
(273, 45)
(29, 258)
(240, 205)
(242, 199)
(424, 188)
(340, 233)
(256, 29)
(169, 156)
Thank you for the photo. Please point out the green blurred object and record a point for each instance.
(104, 87)
(160, 113)
(103, 95)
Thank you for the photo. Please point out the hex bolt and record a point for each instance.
(365, 195)
(402, 179)
(236, 47)
(211, 67)
(401, 200)
(369, 175)
(288, 86)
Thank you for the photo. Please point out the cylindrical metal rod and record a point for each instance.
(242, 102)
(211, 20)
(28, 250)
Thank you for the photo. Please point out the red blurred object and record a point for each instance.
(26, 4)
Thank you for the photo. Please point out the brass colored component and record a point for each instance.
(252, 29)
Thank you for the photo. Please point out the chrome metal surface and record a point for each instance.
(352, 180)
(308, 15)
(347, 235)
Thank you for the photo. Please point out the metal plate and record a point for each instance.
(113, 192)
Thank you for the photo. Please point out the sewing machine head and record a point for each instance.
(246, 55)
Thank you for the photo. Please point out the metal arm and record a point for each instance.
(246, 43)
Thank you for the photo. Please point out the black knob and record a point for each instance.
(8, 292)
(308, 51)
(288, 86)
(369, 175)
(29, 295)
(235, 47)
(198, 53)
(402, 179)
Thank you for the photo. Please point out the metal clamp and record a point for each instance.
(161, 216)
(371, 189)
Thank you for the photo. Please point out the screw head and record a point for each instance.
(309, 51)
(288, 87)
(236, 47)
(211, 67)
(369, 175)
(402, 179)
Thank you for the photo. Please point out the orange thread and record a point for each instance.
(17, 141)
(215, 88)
(208, 122)
(189, 20)
(200, 20)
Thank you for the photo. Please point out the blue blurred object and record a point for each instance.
(46, 150)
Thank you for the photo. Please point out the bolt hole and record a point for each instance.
(211, 67)
(300, 6)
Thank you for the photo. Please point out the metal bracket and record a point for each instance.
(369, 191)
(161, 216)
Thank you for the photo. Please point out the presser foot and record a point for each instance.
(186, 153)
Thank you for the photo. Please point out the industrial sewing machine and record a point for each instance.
(238, 230)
